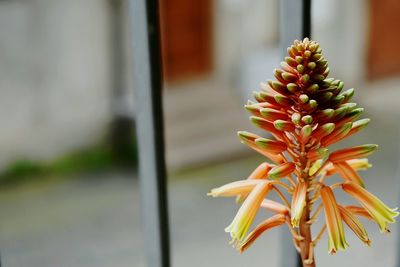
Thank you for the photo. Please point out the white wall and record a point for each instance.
(241, 28)
(54, 76)
(341, 26)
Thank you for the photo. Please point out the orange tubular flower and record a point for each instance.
(273, 146)
(382, 214)
(249, 139)
(282, 170)
(355, 225)
(316, 154)
(305, 112)
(352, 153)
(274, 206)
(348, 173)
(333, 221)
(355, 164)
(298, 203)
(360, 211)
(245, 216)
(261, 172)
(235, 188)
(276, 220)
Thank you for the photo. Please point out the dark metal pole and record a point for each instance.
(295, 23)
(122, 137)
(306, 19)
(147, 82)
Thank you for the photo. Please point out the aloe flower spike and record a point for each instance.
(304, 113)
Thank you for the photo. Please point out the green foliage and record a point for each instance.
(98, 157)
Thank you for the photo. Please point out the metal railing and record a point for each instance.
(147, 82)
(147, 78)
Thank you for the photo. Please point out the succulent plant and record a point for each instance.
(305, 112)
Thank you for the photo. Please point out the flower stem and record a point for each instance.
(306, 244)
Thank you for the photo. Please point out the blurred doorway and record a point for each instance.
(186, 38)
(383, 56)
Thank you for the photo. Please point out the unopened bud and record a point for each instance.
(283, 125)
(303, 98)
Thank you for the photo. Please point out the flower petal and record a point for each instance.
(382, 214)
(245, 216)
(356, 164)
(274, 206)
(235, 188)
(360, 211)
(261, 172)
(333, 220)
(318, 153)
(282, 170)
(298, 203)
(271, 146)
(348, 173)
(337, 134)
(249, 139)
(276, 220)
(272, 114)
(354, 224)
(323, 130)
(352, 153)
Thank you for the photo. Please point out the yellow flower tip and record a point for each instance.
(380, 213)
(315, 167)
(247, 212)
(247, 136)
(239, 199)
(336, 238)
(359, 164)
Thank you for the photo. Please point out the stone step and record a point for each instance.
(201, 121)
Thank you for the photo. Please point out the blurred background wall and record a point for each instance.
(54, 75)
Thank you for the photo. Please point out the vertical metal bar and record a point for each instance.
(295, 23)
(122, 123)
(306, 19)
(147, 82)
